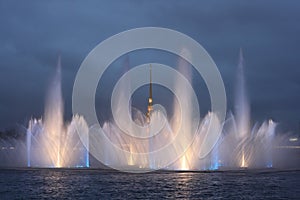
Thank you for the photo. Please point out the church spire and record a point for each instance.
(150, 100)
(150, 88)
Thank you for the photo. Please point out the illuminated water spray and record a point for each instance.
(51, 142)
(252, 146)
(242, 110)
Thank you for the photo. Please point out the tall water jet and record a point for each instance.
(53, 118)
(252, 146)
(185, 127)
(51, 143)
(242, 110)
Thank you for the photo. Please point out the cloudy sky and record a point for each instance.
(34, 33)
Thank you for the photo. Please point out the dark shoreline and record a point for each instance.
(242, 170)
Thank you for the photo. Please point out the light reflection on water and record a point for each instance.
(99, 184)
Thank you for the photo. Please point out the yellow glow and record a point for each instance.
(243, 162)
(130, 159)
(183, 163)
(150, 100)
(58, 164)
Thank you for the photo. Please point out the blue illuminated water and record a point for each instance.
(101, 184)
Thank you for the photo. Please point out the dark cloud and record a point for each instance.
(33, 33)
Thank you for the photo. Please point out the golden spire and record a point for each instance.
(150, 100)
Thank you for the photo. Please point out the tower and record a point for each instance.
(151, 160)
(150, 100)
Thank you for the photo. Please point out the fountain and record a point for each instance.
(242, 146)
(51, 143)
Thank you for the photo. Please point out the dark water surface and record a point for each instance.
(101, 184)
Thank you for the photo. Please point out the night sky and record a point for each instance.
(34, 33)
